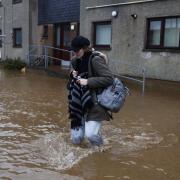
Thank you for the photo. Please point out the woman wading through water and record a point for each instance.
(89, 76)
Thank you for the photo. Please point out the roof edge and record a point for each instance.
(120, 4)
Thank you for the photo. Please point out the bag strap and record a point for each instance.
(91, 72)
(94, 94)
(95, 53)
(90, 64)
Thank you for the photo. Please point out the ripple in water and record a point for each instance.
(62, 154)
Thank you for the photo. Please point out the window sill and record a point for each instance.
(162, 50)
(108, 48)
(17, 2)
(44, 37)
(17, 46)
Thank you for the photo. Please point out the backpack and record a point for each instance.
(113, 97)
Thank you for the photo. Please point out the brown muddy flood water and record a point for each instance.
(141, 143)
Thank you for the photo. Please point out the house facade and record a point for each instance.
(135, 34)
(59, 20)
(19, 27)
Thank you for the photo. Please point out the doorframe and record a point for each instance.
(61, 32)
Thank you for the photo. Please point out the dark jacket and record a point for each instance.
(99, 77)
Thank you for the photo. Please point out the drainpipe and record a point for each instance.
(3, 32)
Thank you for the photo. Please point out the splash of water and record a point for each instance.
(62, 154)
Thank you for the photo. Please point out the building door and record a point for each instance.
(64, 33)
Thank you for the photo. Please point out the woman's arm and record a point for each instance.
(103, 76)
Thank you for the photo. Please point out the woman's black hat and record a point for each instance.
(79, 42)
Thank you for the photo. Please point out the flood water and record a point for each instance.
(141, 143)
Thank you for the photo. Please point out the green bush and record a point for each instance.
(15, 64)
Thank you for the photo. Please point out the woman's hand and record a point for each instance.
(82, 82)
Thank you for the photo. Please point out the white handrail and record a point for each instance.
(44, 53)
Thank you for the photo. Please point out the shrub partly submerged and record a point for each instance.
(13, 64)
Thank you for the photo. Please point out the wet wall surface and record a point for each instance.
(142, 142)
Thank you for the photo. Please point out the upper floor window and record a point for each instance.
(0, 3)
(163, 33)
(17, 37)
(16, 1)
(102, 34)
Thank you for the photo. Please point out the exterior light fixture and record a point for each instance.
(134, 16)
(72, 27)
(114, 13)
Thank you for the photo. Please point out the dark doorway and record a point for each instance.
(64, 33)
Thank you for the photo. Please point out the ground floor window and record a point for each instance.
(163, 33)
(102, 34)
(16, 1)
(17, 37)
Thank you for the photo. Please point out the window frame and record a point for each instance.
(16, 1)
(162, 34)
(15, 45)
(95, 24)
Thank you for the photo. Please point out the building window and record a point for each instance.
(45, 32)
(102, 34)
(0, 3)
(17, 37)
(163, 33)
(16, 1)
(1, 38)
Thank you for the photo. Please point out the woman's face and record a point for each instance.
(79, 53)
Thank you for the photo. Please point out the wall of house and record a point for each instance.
(128, 37)
(21, 15)
(14, 16)
(34, 30)
(48, 41)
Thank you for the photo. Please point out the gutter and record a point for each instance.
(120, 4)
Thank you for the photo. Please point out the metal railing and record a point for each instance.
(142, 82)
(41, 55)
(129, 75)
